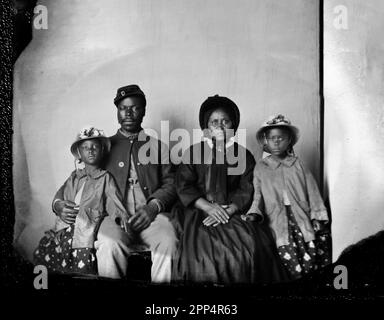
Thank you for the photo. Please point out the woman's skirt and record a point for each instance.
(238, 252)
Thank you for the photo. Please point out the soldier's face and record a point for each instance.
(130, 114)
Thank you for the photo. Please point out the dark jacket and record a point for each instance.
(191, 179)
(156, 178)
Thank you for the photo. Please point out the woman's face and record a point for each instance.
(220, 125)
(278, 141)
(90, 151)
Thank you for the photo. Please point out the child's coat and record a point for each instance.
(99, 198)
(271, 177)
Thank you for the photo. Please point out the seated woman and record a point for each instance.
(216, 245)
(92, 194)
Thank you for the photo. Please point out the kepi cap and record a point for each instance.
(128, 91)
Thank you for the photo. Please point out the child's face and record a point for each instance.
(90, 152)
(278, 141)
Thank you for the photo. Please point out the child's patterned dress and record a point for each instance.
(300, 257)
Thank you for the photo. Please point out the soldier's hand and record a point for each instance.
(143, 218)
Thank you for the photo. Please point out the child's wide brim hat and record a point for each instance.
(277, 121)
(89, 133)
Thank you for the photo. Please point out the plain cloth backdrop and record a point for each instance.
(354, 118)
(262, 54)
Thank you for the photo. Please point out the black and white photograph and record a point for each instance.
(197, 158)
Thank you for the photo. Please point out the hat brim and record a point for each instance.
(103, 140)
(295, 132)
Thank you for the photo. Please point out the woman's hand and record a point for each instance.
(218, 134)
(209, 221)
(230, 210)
(66, 210)
(212, 210)
(218, 213)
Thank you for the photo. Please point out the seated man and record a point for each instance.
(148, 191)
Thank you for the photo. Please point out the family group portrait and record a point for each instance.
(212, 143)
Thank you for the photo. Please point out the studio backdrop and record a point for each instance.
(354, 118)
(263, 54)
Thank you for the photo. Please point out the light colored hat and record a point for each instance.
(88, 133)
(277, 121)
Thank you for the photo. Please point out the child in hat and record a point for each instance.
(287, 195)
(90, 194)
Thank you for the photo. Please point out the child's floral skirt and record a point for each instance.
(56, 253)
(300, 257)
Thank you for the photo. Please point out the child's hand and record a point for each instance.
(252, 217)
(316, 225)
(66, 210)
(124, 223)
(320, 226)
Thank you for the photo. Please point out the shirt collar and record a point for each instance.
(95, 174)
(275, 163)
(230, 142)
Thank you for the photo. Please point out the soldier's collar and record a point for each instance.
(129, 135)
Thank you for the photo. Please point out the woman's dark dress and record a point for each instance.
(236, 252)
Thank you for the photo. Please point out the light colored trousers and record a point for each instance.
(112, 248)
